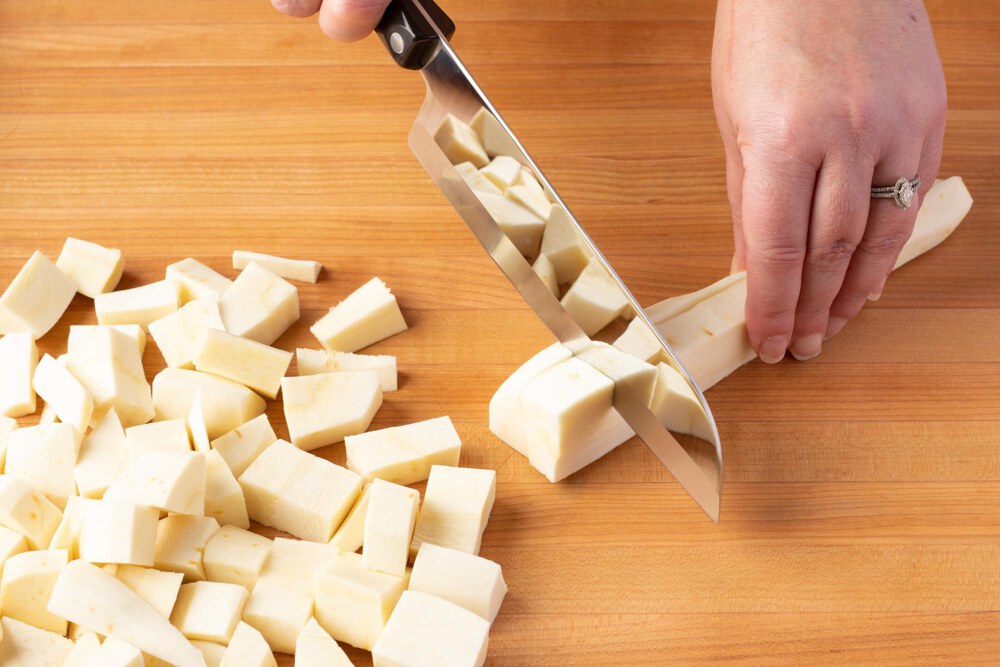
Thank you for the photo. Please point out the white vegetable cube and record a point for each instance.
(37, 297)
(326, 408)
(366, 316)
(241, 446)
(67, 535)
(301, 494)
(209, 610)
(520, 224)
(675, 404)
(116, 653)
(248, 648)
(351, 534)
(18, 359)
(211, 651)
(562, 245)
(80, 336)
(531, 198)
(313, 362)
(197, 426)
(114, 532)
(503, 171)
(25, 645)
(110, 368)
(494, 138)
(7, 426)
(169, 435)
(93, 268)
(139, 305)
(159, 589)
(11, 544)
(177, 334)
(248, 362)
(85, 650)
(457, 506)
(315, 648)
(475, 180)
(171, 481)
(259, 305)
(235, 556)
(180, 544)
(103, 457)
(389, 521)
(353, 603)
(293, 269)
(547, 273)
(27, 511)
(45, 457)
(223, 496)
(426, 631)
(594, 300)
(460, 142)
(226, 404)
(69, 399)
(193, 280)
(26, 586)
(404, 454)
(469, 581)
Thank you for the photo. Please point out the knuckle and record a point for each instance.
(832, 254)
(886, 242)
(778, 253)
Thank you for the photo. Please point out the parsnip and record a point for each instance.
(259, 305)
(389, 522)
(426, 631)
(178, 334)
(27, 511)
(313, 362)
(168, 435)
(116, 653)
(294, 269)
(115, 532)
(404, 454)
(324, 409)
(18, 359)
(235, 556)
(368, 315)
(241, 446)
(315, 648)
(25, 645)
(227, 404)
(92, 267)
(139, 305)
(469, 581)
(180, 544)
(59, 388)
(171, 481)
(351, 534)
(209, 610)
(247, 649)
(37, 297)
(193, 280)
(45, 457)
(252, 364)
(156, 587)
(457, 506)
(460, 142)
(103, 457)
(28, 579)
(223, 495)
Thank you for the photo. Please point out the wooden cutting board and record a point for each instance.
(861, 520)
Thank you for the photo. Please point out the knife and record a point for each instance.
(416, 34)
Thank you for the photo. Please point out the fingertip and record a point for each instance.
(297, 8)
(350, 20)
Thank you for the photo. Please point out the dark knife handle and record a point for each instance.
(408, 36)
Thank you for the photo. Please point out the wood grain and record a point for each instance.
(861, 515)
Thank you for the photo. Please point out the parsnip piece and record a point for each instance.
(351, 534)
(404, 454)
(301, 494)
(226, 404)
(11, 544)
(28, 579)
(294, 269)
(315, 648)
(48, 415)
(116, 653)
(103, 457)
(7, 426)
(211, 651)
(677, 305)
(323, 409)
(259, 305)
(25, 645)
(37, 297)
(941, 211)
(197, 428)
(494, 138)
(313, 362)
(59, 388)
(252, 364)
(520, 224)
(503, 172)
(178, 334)
(389, 522)
(169, 435)
(561, 244)
(676, 405)
(476, 180)
(18, 359)
(241, 446)
(247, 649)
(426, 631)
(171, 481)
(156, 587)
(460, 142)
(44, 457)
(67, 535)
(543, 267)
(223, 496)
(110, 369)
(353, 603)
(366, 316)
(193, 280)
(180, 544)
(457, 506)
(530, 198)
(83, 653)
(235, 556)
(139, 305)
(27, 511)
(209, 610)
(93, 268)
(469, 581)
(114, 532)
(121, 614)
(80, 336)
(594, 300)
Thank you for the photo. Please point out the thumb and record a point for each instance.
(350, 20)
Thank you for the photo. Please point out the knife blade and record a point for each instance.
(416, 34)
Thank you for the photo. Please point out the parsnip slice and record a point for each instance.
(114, 532)
(25, 645)
(324, 409)
(315, 648)
(404, 454)
(460, 142)
(27, 511)
(103, 457)
(156, 587)
(313, 362)
(139, 305)
(235, 556)
(259, 305)
(45, 457)
(294, 269)
(469, 581)
(366, 316)
(209, 610)
(252, 364)
(18, 359)
(93, 268)
(389, 522)
(69, 399)
(676, 405)
(457, 506)
(223, 495)
(178, 334)
(426, 631)
(171, 481)
(180, 544)
(28, 579)
(247, 649)
(193, 280)
(241, 446)
(37, 297)
(226, 404)
(169, 435)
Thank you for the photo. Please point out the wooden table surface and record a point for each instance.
(861, 514)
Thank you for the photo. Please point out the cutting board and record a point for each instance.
(861, 514)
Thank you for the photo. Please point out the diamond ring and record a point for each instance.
(902, 192)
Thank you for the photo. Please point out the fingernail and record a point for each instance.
(875, 296)
(772, 349)
(833, 326)
(806, 347)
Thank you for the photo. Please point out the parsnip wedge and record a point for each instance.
(241, 446)
(80, 336)
(366, 316)
(315, 648)
(503, 172)
(110, 368)
(193, 280)
(519, 223)
(59, 388)
(180, 544)
(294, 269)
(177, 335)
(103, 457)
(156, 587)
(235, 556)
(351, 534)
(252, 364)
(18, 359)
(312, 362)
(92, 267)
(561, 244)
(115, 532)
(404, 454)
(469, 581)
(324, 409)
(676, 405)
(426, 631)
(389, 522)
(171, 481)
(45, 457)
(27, 511)
(209, 610)
(223, 495)
(139, 305)
(28, 579)
(493, 137)
(247, 648)
(116, 653)
(259, 305)
(37, 297)
(167, 435)
(456, 509)
(226, 404)
(25, 645)
(84, 652)
(475, 180)
(460, 142)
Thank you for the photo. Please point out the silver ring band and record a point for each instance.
(903, 192)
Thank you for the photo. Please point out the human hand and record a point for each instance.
(816, 103)
(343, 20)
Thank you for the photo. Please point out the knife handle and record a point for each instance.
(408, 36)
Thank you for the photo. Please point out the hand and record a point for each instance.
(343, 20)
(817, 102)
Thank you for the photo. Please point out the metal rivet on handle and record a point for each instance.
(396, 42)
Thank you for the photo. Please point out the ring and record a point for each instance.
(902, 192)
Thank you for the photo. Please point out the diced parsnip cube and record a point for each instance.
(28, 579)
(171, 481)
(80, 336)
(562, 245)
(25, 645)
(404, 454)
(323, 409)
(11, 544)
(457, 506)
(93, 268)
(353, 603)
(531, 198)
(169, 435)
(116, 653)
(177, 334)
(313, 362)
(7, 426)
(211, 651)
(941, 211)
(18, 359)
(209, 610)
(248, 648)
(502, 172)
(368, 315)
(260, 305)
(594, 300)
(103, 457)
(469, 581)
(475, 180)
(226, 404)
(315, 648)
(27, 511)
(426, 631)
(113, 532)
(37, 297)
(180, 544)
(83, 653)
(389, 522)
(520, 224)
(44, 457)
(223, 496)
(294, 269)
(139, 305)
(638, 341)
(494, 138)
(545, 271)
(121, 614)
(241, 446)
(156, 587)
(460, 142)
(235, 556)
(351, 534)
(301, 494)
(193, 280)
(282, 601)
(111, 370)
(252, 364)
(677, 407)
(69, 399)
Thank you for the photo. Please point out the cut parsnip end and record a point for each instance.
(18, 359)
(92, 267)
(294, 269)
(259, 305)
(389, 522)
(139, 305)
(235, 556)
(324, 409)
(37, 297)
(456, 509)
(252, 364)
(178, 334)
(460, 142)
(313, 362)
(366, 316)
(442, 633)
(193, 280)
(404, 454)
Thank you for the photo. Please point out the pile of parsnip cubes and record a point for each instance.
(125, 512)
